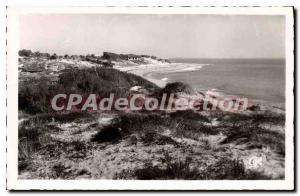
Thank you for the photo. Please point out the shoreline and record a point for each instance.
(104, 145)
(147, 70)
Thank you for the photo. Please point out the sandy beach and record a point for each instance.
(188, 70)
(147, 70)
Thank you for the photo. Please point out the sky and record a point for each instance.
(165, 36)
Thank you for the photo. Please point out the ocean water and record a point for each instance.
(256, 79)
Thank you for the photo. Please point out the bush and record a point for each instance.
(31, 139)
(110, 56)
(177, 87)
(178, 170)
(255, 137)
(154, 138)
(35, 96)
(231, 169)
(58, 117)
(223, 169)
(190, 115)
(108, 64)
(37, 54)
(107, 134)
(101, 81)
(71, 116)
(148, 125)
(54, 56)
(25, 52)
(255, 118)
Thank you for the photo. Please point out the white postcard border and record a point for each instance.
(12, 107)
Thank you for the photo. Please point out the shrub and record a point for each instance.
(54, 56)
(136, 122)
(231, 169)
(35, 96)
(108, 64)
(107, 134)
(148, 125)
(111, 56)
(177, 87)
(190, 115)
(193, 129)
(255, 118)
(256, 137)
(71, 116)
(37, 54)
(31, 139)
(154, 138)
(60, 170)
(178, 170)
(101, 81)
(45, 118)
(223, 169)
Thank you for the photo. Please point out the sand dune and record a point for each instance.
(147, 70)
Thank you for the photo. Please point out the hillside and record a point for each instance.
(142, 144)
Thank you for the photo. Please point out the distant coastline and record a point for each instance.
(90, 135)
(231, 60)
(257, 76)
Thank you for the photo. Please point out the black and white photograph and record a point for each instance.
(188, 98)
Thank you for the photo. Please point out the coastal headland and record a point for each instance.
(145, 144)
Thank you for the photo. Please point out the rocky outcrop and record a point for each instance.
(177, 87)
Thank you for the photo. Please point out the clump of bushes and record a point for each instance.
(190, 115)
(35, 96)
(25, 52)
(177, 87)
(99, 60)
(31, 139)
(230, 169)
(58, 117)
(65, 171)
(173, 170)
(101, 81)
(154, 138)
(107, 134)
(149, 128)
(223, 169)
(54, 56)
(257, 118)
(29, 53)
(149, 125)
(255, 137)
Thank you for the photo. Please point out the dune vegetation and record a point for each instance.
(191, 145)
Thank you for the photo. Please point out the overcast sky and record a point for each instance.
(167, 36)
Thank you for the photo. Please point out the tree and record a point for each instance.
(54, 56)
(25, 52)
(37, 54)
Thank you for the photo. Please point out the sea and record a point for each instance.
(256, 79)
